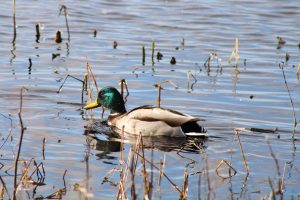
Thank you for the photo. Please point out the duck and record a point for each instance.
(145, 120)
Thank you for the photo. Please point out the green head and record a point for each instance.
(110, 98)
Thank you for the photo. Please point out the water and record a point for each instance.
(221, 96)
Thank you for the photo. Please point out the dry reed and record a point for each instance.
(235, 52)
(281, 66)
(20, 142)
(227, 163)
(63, 8)
(242, 151)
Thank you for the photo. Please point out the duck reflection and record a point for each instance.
(107, 141)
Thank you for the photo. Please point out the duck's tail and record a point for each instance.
(193, 129)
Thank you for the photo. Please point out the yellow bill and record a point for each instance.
(92, 105)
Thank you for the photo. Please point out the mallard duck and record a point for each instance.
(145, 120)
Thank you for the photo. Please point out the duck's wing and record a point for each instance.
(146, 128)
(170, 117)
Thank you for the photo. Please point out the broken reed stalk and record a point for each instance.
(272, 193)
(2, 192)
(37, 33)
(5, 188)
(207, 179)
(153, 47)
(242, 151)
(235, 52)
(280, 184)
(91, 74)
(166, 81)
(190, 74)
(122, 85)
(20, 142)
(82, 81)
(229, 169)
(30, 66)
(65, 79)
(158, 85)
(159, 96)
(282, 179)
(146, 185)
(143, 55)
(43, 148)
(121, 184)
(274, 158)
(281, 66)
(184, 191)
(64, 9)
(14, 21)
(161, 164)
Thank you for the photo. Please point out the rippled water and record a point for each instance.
(222, 95)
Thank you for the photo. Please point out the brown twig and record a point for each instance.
(167, 81)
(91, 74)
(159, 96)
(282, 179)
(5, 188)
(242, 151)
(272, 193)
(158, 85)
(183, 194)
(122, 85)
(229, 169)
(161, 165)
(146, 185)
(20, 142)
(274, 158)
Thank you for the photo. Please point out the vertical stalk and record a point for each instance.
(159, 96)
(14, 21)
(20, 145)
(153, 47)
(144, 55)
